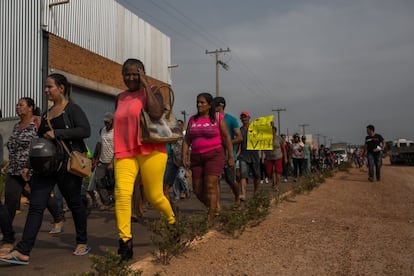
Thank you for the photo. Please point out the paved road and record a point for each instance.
(52, 254)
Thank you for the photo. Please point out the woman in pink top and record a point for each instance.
(132, 156)
(206, 134)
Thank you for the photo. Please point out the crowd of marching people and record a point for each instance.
(127, 174)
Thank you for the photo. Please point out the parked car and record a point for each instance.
(341, 155)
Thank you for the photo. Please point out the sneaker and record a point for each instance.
(261, 181)
(267, 180)
(285, 180)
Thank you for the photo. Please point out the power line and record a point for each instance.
(206, 35)
(139, 10)
(211, 37)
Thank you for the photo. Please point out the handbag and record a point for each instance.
(163, 130)
(78, 163)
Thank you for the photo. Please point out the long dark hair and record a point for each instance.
(62, 80)
(212, 110)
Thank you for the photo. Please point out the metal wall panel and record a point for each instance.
(20, 53)
(108, 29)
(101, 26)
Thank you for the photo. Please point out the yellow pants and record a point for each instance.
(152, 169)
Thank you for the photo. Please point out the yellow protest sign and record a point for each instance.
(260, 135)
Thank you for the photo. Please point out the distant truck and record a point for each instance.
(402, 152)
(340, 150)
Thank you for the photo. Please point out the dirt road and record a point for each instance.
(347, 226)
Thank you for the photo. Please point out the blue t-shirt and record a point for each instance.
(232, 124)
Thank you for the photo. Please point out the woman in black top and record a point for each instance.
(70, 125)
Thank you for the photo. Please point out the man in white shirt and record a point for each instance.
(103, 160)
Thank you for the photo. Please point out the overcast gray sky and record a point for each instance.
(334, 65)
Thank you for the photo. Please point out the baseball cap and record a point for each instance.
(245, 113)
(108, 117)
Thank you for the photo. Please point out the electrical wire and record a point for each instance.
(211, 38)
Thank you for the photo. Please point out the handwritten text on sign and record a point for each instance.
(260, 135)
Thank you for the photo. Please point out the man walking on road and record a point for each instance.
(236, 139)
(104, 162)
(374, 145)
(249, 159)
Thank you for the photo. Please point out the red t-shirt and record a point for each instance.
(127, 142)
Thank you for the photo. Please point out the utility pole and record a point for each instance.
(219, 62)
(303, 128)
(317, 139)
(324, 140)
(278, 117)
(185, 116)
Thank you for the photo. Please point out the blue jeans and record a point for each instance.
(374, 160)
(41, 186)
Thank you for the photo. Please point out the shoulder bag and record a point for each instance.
(163, 130)
(78, 163)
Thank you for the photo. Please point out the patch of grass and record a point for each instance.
(173, 239)
(234, 221)
(110, 265)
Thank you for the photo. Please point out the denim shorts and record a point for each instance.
(249, 167)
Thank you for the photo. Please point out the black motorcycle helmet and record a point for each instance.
(45, 156)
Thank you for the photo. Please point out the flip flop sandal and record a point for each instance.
(56, 230)
(14, 260)
(81, 250)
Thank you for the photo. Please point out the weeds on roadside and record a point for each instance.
(110, 265)
(173, 239)
(251, 213)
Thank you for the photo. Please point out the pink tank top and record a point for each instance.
(204, 135)
(127, 142)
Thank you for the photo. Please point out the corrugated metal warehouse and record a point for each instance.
(87, 41)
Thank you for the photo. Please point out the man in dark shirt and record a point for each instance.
(374, 145)
(249, 160)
